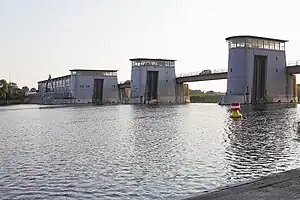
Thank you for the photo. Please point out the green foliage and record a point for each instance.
(3, 89)
(198, 96)
(127, 82)
(25, 89)
(9, 92)
(33, 90)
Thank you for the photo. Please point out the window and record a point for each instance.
(233, 44)
(260, 44)
(248, 43)
(282, 46)
(272, 45)
(240, 43)
(172, 64)
(266, 44)
(256, 43)
(68, 82)
(276, 45)
(161, 63)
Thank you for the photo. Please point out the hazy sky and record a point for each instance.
(39, 37)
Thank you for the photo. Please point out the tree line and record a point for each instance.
(11, 93)
(198, 96)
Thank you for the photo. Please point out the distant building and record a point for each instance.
(81, 86)
(32, 97)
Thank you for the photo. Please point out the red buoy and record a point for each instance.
(235, 106)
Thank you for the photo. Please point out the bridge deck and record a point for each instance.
(284, 186)
(294, 69)
(202, 77)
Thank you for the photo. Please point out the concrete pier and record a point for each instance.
(284, 186)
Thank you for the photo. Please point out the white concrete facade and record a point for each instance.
(81, 86)
(166, 80)
(242, 52)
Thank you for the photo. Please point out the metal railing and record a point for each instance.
(216, 71)
(203, 72)
(124, 82)
(293, 63)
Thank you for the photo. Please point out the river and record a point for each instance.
(139, 152)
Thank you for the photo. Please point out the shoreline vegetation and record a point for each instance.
(11, 94)
(198, 96)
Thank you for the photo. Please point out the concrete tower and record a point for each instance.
(152, 81)
(257, 71)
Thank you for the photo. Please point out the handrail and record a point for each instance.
(212, 71)
(293, 63)
(217, 71)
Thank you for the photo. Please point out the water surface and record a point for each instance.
(139, 152)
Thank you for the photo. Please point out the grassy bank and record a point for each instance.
(197, 96)
(205, 99)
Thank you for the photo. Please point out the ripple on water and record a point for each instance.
(139, 152)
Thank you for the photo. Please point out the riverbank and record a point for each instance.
(205, 99)
(12, 102)
(284, 186)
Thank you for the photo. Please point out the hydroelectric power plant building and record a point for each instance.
(81, 87)
(257, 71)
(152, 81)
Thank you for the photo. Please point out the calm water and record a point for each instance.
(134, 152)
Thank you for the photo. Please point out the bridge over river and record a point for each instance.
(217, 74)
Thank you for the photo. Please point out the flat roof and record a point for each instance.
(60, 77)
(92, 70)
(156, 59)
(255, 37)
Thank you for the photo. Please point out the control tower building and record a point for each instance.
(152, 81)
(257, 71)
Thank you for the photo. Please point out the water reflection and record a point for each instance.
(259, 145)
(157, 140)
(139, 152)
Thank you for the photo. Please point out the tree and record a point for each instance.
(127, 82)
(13, 91)
(33, 90)
(12, 85)
(25, 89)
(210, 92)
(3, 89)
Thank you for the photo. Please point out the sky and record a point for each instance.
(41, 37)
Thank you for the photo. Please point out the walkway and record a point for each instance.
(284, 186)
(217, 74)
